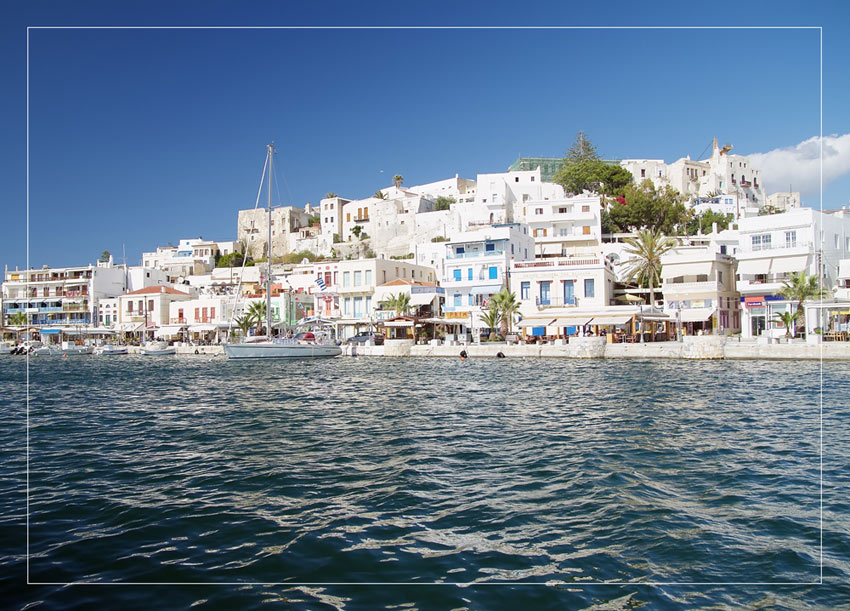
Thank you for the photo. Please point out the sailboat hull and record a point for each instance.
(280, 350)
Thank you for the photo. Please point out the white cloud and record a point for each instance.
(799, 166)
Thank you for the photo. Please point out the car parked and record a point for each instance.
(364, 338)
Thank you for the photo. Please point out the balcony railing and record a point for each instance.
(555, 301)
(559, 262)
(678, 287)
(786, 245)
(477, 254)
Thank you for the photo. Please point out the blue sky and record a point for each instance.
(141, 137)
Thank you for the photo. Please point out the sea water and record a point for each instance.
(423, 483)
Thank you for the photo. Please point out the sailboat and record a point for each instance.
(271, 347)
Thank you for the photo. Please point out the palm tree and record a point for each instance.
(18, 319)
(398, 180)
(244, 323)
(786, 319)
(330, 194)
(399, 303)
(380, 194)
(645, 264)
(507, 306)
(491, 317)
(256, 313)
(801, 287)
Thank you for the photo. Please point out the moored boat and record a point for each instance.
(157, 349)
(110, 349)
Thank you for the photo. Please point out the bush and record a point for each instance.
(439, 239)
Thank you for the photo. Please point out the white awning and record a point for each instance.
(202, 328)
(673, 270)
(572, 321)
(129, 327)
(754, 266)
(418, 299)
(611, 320)
(535, 322)
(485, 290)
(697, 314)
(782, 265)
(398, 323)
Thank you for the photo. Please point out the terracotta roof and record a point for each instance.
(404, 282)
(152, 290)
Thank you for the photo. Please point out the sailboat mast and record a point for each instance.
(269, 252)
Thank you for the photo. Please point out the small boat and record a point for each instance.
(7, 347)
(110, 349)
(157, 349)
(71, 349)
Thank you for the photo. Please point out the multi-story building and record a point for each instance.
(699, 287)
(62, 297)
(784, 201)
(564, 226)
(720, 174)
(345, 295)
(563, 293)
(477, 266)
(190, 257)
(147, 309)
(772, 247)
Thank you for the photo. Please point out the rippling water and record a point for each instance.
(530, 483)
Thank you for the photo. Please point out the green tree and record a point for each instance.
(104, 257)
(380, 194)
(244, 323)
(398, 180)
(801, 287)
(643, 206)
(644, 265)
(233, 259)
(400, 304)
(314, 220)
(492, 318)
(330, 194)
(786, 319)
(444, 203)
(18, 319)
(703, 222)
(583, 170)
(506, 304)
(356, 230)
(256, 314)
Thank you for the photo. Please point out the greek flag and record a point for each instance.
(321, 283)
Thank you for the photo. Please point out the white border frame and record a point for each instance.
(548, 583)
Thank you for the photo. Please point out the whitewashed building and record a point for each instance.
(192, 256)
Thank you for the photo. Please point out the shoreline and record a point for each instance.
(691, 348)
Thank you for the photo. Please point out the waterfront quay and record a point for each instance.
(696, 347)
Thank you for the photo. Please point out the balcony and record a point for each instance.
(544, 302)
(475, 255)
(556, 262)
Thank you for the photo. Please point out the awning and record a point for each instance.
(418, 299)
(202, 328)
(697, 314)
(398, 323)
(611, 320)
(129, 327)
(487, 289)
(50, 331)
(535, 322)
(754, 266)
(673, 270)
(782, 265)
(572, 321)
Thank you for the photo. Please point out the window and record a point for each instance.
(130, 307)
(457, 299)
(720, 276)
(761, 241)
(346, 279)
(358, 278)
(569, 292)
(532, 179)
(494, 273)
(368, 305)
(346, 306)
(347, 217)
(358, 305)
(544, 292)
(516, 178)
(368, 277)
(470, 299)
(791, 239)
(585, 208)
(589, 288)
(538, 211)
(150, 305)
(523, 290)
(204, 316)
(585, 230)
(460, 250)
(457, 275)
(180, 315)
(643, 173)
(490, 247)
(469, 273)
(837, 242)
(197, 314)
